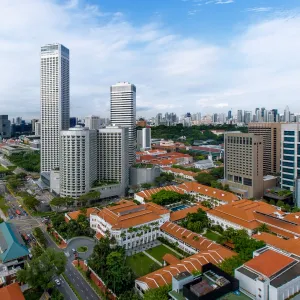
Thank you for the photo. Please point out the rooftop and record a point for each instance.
(127, 214)
(180, 171)
(11, 292)
(181, 214)
(11, 243)
(74, 214)
(269, 263)
(147, 194)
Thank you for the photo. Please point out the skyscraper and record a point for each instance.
(92, 122)
(287, 114)
(123, 112)
(55, 102)
(240, 116)
(5, 130)
(144, 139)
(78, 161)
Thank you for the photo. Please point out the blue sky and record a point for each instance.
(195, 55)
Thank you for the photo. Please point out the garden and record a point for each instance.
(158, 252)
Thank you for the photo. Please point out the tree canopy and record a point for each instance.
(160, 293)
(164, 197)
(29, 161)
(195, 222)
(39, 272)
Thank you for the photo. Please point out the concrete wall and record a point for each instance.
(143, 175)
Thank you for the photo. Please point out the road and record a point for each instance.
(26, 224)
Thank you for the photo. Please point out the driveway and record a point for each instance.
(79, 242)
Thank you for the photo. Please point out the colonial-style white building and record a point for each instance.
(130, 224)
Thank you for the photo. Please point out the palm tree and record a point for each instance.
(263, 228)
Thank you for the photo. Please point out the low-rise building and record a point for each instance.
(130, 224)
(73, 215)
(13, 252)
(11, 292)
(205, 164)
(270, 275)
(140, 173)
(180, 173)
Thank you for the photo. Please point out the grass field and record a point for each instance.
(3, 169)
(211, 235)
(159, 251)
(3, 206)
(141, 264)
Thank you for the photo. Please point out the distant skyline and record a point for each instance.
(182, 55)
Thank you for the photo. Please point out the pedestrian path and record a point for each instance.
(151, 257)
(179, 254)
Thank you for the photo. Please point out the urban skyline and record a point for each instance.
(221, 78)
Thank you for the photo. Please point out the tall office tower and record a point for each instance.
(37, 128)
(247, 117)
(113, 155)
(158, 119)
(243, 164)
(73, 122)
(78, 161)
(18, 120)
(221, 118)
(229, 117)
(33, 121)
(215, 118)
(292, 117)
(92, 122)
(144, 139)
(5, 129)
(287, 114)
(240, 116)
(123, 112)
(271, 140)
(290, 149)
(275, 113)
(258, 115)
(262, 110)
(55, 102)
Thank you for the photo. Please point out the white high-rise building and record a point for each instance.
(55, 102)
(144, 139)
(92, 122)
(123, 112)
(287, 114)
(113, 155)
(78, 161)
(37, 128)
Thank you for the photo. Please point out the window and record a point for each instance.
(291, 133)
(287, 176)
(290, 158)
(288, 164)
(289, 139)
(290, 146)
(286, 170)
(285, 151)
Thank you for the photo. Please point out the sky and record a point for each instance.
(205, 56)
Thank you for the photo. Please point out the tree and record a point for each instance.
(38, 233)
(230, 264)
(31, 202)
(129, 295)
(58, 202)
(39, 272)
(280, 203)
(263, 228)
(164, 197)
(205, 178)
(37, 251)
(272, 202)
(160, 293)
(207, 204)
(146, 185)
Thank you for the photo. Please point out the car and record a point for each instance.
(73, 250)
(57, 282)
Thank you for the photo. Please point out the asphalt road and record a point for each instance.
(81, 241)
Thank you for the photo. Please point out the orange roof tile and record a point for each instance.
(147, 194)
(269, 262)
(292, 245)
(99, 236)
(11, 292)
(181, 214)
(208, 191)
(192, 263)
(195, 240)
(170, 259)
(127, 214)
(180, 171)
(74, 214)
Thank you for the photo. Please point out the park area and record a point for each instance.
(142, 264)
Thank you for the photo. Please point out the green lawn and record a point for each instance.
(3, 169)
(211, 235)
(141, 264)
(82, 249)
(3, 206)
(159, 251)
(232, 296)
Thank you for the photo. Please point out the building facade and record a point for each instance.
(123, 112)
(290, 149)
(5, 130)
(243, 164)
(271, 133)
(92, 122)
(144, 139)
(113, 155)
(78, 165)
(55, 102)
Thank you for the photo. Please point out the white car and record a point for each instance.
(57, 281)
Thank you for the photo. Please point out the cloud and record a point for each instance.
(259, 9)
(259, 66)
(219, 2)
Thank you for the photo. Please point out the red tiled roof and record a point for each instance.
(269, 262)
(11, 292)
(192, 263)
(180, 171)
(147, 194)
(292, 245)
(192, 239)
(170, 259)
(181, 214)
(208, 191)
(74, 214)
